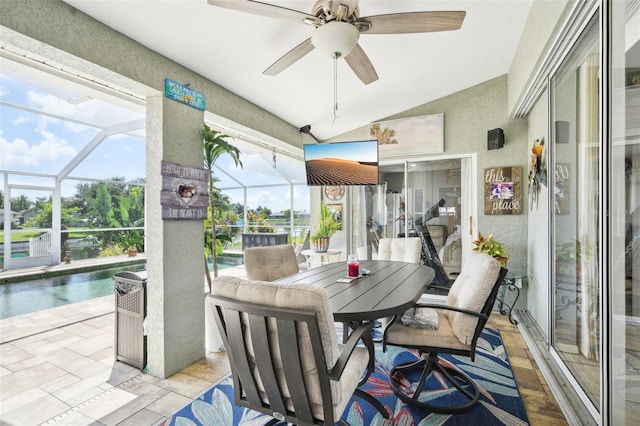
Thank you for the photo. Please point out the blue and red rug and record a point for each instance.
(500, 402)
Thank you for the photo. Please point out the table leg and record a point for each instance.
(503, 306)
(367, 339)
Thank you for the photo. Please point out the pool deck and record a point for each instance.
(83, 265)
(57, 367)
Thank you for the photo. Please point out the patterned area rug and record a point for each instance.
(500, 401)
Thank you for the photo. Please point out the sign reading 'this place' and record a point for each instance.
(503, 190)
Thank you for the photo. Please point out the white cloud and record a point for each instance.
(50, 148)
(21, 120)
(262, 198)
(94, 111)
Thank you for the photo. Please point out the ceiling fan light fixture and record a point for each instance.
(335, 37)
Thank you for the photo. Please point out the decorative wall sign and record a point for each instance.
(336, 211)
(183, 93)
(503, 190)
(409, 136)
(184, 192)
(561, 189)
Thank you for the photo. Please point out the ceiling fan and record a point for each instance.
(338, 27)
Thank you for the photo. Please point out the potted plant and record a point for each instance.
(327, 226)
(569, 256)
(487, 244)
(215, 145)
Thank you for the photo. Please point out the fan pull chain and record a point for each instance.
(335, 55)
(273, 152)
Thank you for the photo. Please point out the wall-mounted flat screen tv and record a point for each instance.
(342, 163)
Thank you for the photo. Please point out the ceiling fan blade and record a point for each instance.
(413, 22)
(290, 58)
(263, 9)
(361, 65)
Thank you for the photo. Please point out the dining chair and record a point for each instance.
(282, 347)
(460, 322)
(271, 262)
(400, 249)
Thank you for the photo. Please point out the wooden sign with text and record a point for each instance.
(503, 190)
(184, 192)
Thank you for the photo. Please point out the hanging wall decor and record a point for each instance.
(503, 190)
(184, 94)
(561, 188)
(336, 211)
(537, 172)
(409, 136)
(184, 192)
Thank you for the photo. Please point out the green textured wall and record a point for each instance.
(468, 115)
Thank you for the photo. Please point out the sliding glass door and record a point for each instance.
(624, 259)
(436, 194)
(576, 215)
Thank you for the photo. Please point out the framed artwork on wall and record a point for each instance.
(409, 136)
(336, 211)
(503, 190)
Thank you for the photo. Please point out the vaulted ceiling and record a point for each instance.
(233, 48)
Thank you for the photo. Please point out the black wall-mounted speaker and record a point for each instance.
(495, 139)
(562, 132)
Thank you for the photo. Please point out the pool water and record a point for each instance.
(35, 295)
(44, 293)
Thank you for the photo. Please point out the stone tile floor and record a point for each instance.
(57, 368)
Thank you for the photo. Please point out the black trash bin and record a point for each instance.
(131, 310)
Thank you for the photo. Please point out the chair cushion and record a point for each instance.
(270, 263)
(470, 291)
(400, 249)
(305, 297)
(443, 337)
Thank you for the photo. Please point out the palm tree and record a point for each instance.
(215, 144)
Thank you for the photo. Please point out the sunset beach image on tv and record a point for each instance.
(342, 163)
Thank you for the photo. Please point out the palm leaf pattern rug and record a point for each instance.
(500, 401)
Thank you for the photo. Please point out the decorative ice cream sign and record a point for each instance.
(185, 94)
(184, 192)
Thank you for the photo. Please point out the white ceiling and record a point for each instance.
(233, 49)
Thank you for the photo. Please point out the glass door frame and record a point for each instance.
(471, 187)
(591, 408)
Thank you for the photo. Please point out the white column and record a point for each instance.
(175, 248)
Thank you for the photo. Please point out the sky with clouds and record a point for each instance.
(45, 144)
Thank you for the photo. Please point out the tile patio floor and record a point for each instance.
(57, 368)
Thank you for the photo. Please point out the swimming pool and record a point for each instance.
(44, 293)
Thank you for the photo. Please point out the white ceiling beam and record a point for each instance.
(97, 139)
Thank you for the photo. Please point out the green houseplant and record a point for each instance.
(325, 229)
(489, 245)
